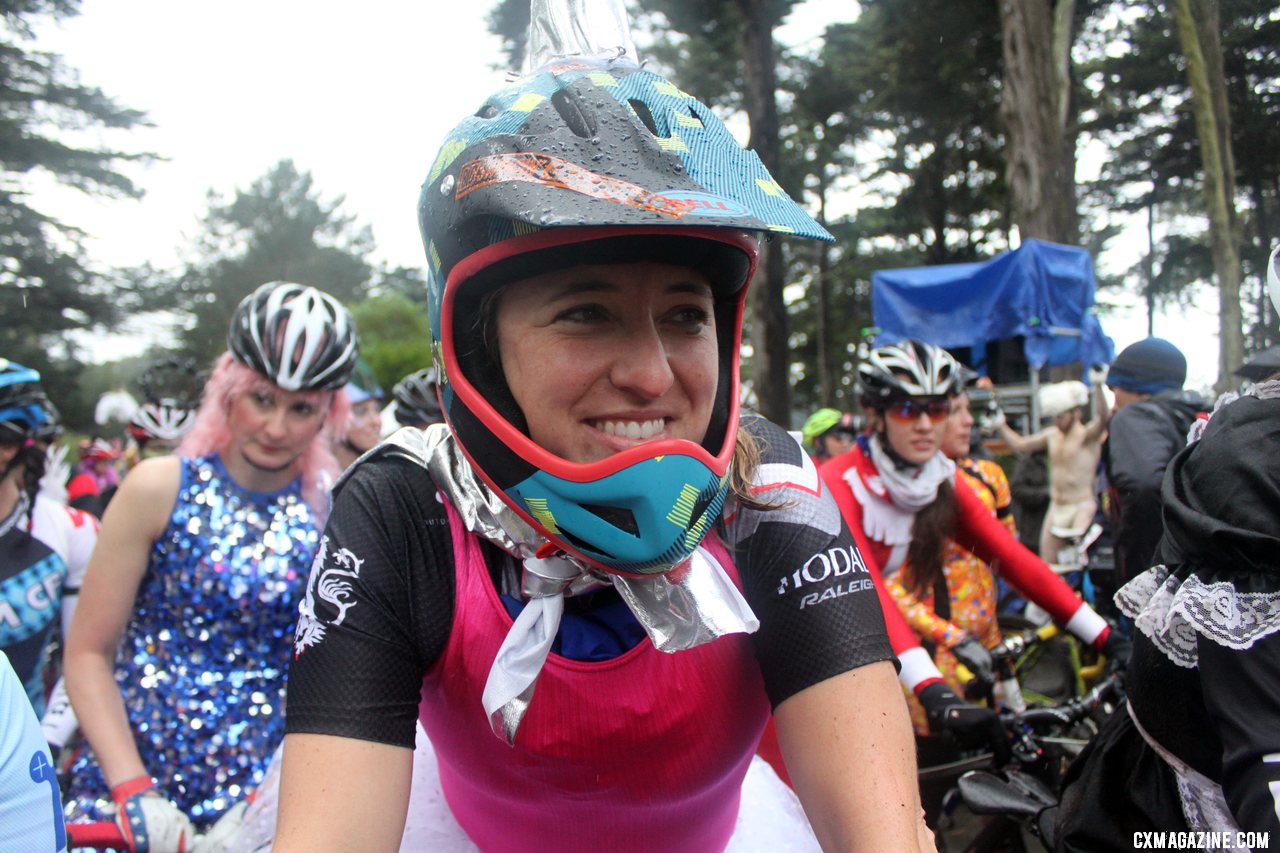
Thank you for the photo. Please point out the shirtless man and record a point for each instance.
(1074, 450)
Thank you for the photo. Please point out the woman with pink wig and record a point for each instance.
(176, 667)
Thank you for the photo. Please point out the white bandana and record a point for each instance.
(911, 490)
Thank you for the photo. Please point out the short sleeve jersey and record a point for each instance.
(30, 805)
(43, 555)
(359, 663)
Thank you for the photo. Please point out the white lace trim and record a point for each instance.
(1265, 390)
(1204, 806)
(1173, 612)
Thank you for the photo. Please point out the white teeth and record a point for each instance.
(635, 430)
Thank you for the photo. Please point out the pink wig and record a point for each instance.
(211, 433)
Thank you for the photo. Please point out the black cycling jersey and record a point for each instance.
(389, 538)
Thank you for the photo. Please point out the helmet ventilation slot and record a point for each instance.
(645, 115)
(575, 118)
(620, 517)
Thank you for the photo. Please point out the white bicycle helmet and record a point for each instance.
(163, 420)
(296, 336)
(908, 369)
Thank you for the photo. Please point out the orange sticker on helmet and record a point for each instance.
(555, 172)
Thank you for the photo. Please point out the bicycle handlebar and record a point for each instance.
(1070, 712)
(103, 835)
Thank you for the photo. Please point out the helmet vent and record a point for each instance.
(581, 123)
(645, 115)
(620, 517)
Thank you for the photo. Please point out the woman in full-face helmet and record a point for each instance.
(176, 665)
(594, 584)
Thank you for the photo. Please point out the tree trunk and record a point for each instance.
(1040, 169)
(1215, 155)
(769, 328)
(826, 360)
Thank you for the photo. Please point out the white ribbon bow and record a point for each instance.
(524, 650)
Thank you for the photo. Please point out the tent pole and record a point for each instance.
(1033, 405)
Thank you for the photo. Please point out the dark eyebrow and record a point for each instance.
(594, 285)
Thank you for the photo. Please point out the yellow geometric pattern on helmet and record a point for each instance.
(682, 513)
(538, 509)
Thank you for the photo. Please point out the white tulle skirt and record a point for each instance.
(770, 819)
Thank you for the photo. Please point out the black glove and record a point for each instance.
(1118, 649)
(975, 656)
(970, 725)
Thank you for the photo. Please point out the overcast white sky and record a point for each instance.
(358, 95)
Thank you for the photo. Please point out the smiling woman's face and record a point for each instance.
(603, 358)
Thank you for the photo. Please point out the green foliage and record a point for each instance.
(48, 284)
(409, 282)
(278, 229)
(395, 336)
(1140, 107)
(509, 20)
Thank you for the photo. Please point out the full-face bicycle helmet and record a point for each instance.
(908, 369)
(296, 336)
(23, 413)
(166, 419)
(416, 398)
(587, 162)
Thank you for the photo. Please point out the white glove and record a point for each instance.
(53, 485)
(59, 722)
(991, 423)
(219, 837)
(152, 824)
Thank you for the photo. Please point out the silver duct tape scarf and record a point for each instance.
(678, 610)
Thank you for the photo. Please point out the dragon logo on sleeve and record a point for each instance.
(330, 579)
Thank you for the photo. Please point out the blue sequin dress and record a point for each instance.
(202, 664)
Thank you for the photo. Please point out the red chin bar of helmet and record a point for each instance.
(521, 443)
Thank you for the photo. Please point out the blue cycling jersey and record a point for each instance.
(30, 807)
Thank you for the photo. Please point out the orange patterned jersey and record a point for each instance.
(971, 585)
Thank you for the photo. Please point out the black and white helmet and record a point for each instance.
(296, 336)
(908, 369)
(162, 420)
(416, 399)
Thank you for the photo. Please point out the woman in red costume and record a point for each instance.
(904, 499)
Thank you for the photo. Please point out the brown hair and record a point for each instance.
(932, 527)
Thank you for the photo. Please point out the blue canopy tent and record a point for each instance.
(1041, 292)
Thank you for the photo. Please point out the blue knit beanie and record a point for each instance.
(1149, 366)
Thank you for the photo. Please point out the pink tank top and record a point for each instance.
(640, 753)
